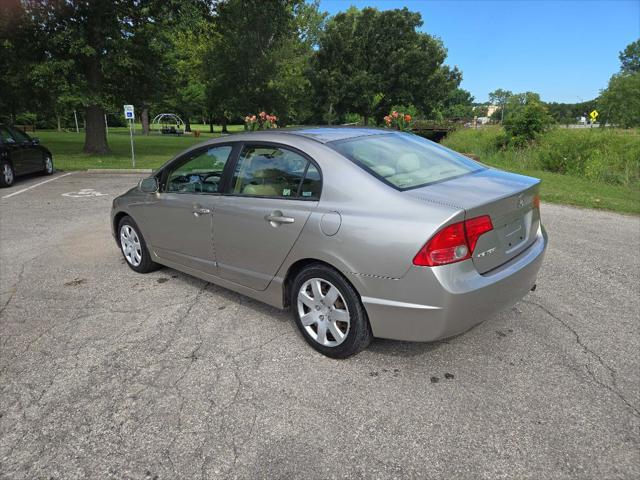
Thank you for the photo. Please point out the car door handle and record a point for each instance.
(201, 211)
(278, 218)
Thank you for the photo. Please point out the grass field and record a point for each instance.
(152, 151)
(586, 168)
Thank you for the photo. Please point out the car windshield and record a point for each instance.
(405, 160)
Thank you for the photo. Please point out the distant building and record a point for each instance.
(491, 109)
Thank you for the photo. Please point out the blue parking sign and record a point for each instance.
(128, 112)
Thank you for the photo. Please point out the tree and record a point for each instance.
(15, 43)
(369, 60)
(500, 97)
(620, 101)
(458, 105)
(112, 48)
(242, 58)
(526, 117)
(630, 58)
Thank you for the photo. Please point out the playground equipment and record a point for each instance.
(169, 123)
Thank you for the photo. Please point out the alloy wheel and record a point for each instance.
(7, 171)
(323, 312)
(130, 244)
(48, 165)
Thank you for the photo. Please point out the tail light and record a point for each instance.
(536, 201)
(453, 243)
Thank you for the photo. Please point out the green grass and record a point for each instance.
(594, 169)
(151, 151)
(573, 189)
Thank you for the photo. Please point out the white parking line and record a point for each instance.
(38, 184)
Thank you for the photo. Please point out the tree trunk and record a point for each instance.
(366, 120)
(144, 119)
(58, 120)
(187, 124)
(224, 125)
(95, 138)
(210, 125)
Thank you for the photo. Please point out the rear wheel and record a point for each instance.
(133, 247)
(329, 313)
(48, 165)
(7, 175)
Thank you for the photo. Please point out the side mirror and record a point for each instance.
(148, 185)
(35, 140)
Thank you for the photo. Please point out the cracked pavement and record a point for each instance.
(105, 373)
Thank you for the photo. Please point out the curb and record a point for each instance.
(119, 170)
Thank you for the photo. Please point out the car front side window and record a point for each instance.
(271, 171)
(19, 136)
(6, 137)
(201, 173)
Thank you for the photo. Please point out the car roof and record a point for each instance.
(330, 134)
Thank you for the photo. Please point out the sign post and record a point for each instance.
(593, 115)
(129, 115)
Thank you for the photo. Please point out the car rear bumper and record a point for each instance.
(428, 304)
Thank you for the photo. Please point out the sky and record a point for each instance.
(565, 50)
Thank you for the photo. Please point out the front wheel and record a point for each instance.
(48, 165)
(133, 247)
(7, 176)
(328, 312)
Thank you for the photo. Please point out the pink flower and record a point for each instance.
(263, 115)
(394, 114)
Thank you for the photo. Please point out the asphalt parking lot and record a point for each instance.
(105, 373)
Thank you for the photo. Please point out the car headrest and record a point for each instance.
(408, 162)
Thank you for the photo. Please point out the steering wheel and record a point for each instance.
(214, 176)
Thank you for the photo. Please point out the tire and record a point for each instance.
(133, 247)
(338, 328)
(7, 174)
(48, 165)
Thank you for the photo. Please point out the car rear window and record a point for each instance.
(404, 160)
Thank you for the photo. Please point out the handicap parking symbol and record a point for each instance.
(84, 193)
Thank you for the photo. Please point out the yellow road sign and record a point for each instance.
(593, 115)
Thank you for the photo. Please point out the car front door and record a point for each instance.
(177, 221)
(32, 159)
(14, 151)
(271, 193)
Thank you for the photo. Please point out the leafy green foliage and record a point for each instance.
(526, 117)
(602, 155)
(630, 58)
(620, 101)
(243, 57)
(368, 60)
(600, 165)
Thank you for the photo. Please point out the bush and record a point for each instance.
(525, 123)
(611, 156)
(603, 155)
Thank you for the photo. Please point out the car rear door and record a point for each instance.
(177, 221)
(271, 193)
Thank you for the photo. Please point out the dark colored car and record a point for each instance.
(20, 154)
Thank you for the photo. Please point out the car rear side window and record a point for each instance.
(405, 160)
(272, 171)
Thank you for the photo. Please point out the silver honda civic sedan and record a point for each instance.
(361, 232)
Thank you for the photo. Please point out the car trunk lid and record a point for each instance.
(506, 197)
